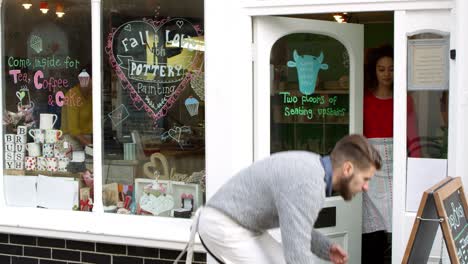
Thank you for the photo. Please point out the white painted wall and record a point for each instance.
(228, 83)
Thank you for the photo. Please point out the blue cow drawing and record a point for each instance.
(307, 70)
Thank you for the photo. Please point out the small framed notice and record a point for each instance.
(428, 64)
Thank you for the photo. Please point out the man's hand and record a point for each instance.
(338, 255)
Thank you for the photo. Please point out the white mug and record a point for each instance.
(9, 164)
(9, 155)
(41, 164)
(30, 163)
(19, 156)
(19, 165)
(52, 135)
(62, 164)
(22, 130)
(48, 150)
(9, 138)
(52, 164)
(9, 147)
(21, 139)
(47, 121)
(20, 148)
(38, 135)
(34, 149)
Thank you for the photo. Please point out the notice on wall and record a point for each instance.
(428, 64)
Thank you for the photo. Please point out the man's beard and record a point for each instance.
(345, 190)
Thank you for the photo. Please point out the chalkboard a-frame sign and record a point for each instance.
(443, 205)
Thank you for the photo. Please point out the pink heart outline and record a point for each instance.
(136, 98)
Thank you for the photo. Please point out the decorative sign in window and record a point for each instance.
(154, 110)
(307, 70)
(428, 64)
(155, 61)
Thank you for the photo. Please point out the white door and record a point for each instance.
(423, 74)
(308, 94)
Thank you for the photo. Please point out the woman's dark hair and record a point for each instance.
(372, 56)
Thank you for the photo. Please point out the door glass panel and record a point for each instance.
(428, 91)
(427, 113)
(309, 76)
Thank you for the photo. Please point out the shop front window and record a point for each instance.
(153, 108)
(47, 113)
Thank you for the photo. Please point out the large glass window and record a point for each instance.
(47, 95)
(153, 107)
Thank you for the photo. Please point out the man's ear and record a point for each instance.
(348, 168)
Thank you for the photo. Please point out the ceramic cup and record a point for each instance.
(63, 163)
(47, 121)
(10, 164)
(52, 164)
(38, 135)
(9, 147)
(30, 163)
(19, 156)
(48, 150)
(22, 130)
(9, 138)
(62, 149)
(19, 165)
(20, 148)
(9, 155)
(34, 149)
(21, 139)
(41, 163)
(52, 135)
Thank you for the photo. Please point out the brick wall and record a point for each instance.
(16, 249)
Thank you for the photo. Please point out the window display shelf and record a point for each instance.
(45, 173)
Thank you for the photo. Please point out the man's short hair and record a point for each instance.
(357, 150)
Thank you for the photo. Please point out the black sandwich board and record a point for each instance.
(444, 205)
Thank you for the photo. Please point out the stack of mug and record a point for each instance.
(46, 152)
(15, 147)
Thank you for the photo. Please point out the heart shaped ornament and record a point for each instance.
(154, 60)
(156, 205)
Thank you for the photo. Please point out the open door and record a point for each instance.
(308, 94)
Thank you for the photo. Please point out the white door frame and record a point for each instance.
(299, 7)
(267, 31)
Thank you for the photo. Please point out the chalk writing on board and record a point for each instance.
(307, 70)
(143, 54)
(458, 224)
(118, 115)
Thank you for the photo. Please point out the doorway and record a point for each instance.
(312, 110)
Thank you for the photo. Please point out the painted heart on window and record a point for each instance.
(154, 61)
